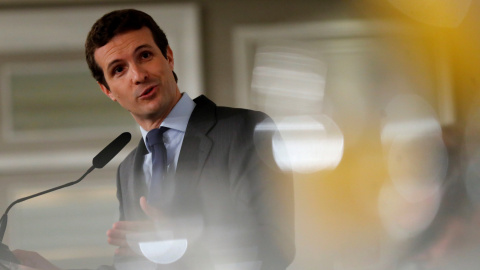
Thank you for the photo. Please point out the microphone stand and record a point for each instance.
(5, 253)
(4, 218)
(99, 161)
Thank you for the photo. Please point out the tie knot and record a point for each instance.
(155, 136)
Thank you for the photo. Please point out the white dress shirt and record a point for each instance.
(176, 121)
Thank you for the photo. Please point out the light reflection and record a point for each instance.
(415, 127)
(416, 154)
(289, 84)
(302, 71)
(306, 144)
(409, 115)
(288, 80)
(164, 252)
(417, 166)
(158, 247)
(404, 218)
(417, 162)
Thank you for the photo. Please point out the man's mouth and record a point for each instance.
(147, 91)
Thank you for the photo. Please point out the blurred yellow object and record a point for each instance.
(444, 13)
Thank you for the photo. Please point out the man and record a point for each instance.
(219, 201)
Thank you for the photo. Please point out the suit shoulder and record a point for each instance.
(246, 114)
(223, 111)
(226, 118)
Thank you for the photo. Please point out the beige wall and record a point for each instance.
(220, 18)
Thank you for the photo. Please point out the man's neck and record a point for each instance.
(155, 121)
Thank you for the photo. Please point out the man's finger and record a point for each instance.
(133, 225)
(112, 233)
(148, 209)
(117, 238)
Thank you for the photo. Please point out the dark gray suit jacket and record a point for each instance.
(228, 197)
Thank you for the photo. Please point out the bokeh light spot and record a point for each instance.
(311, 144)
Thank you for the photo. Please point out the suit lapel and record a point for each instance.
(135, 183)
(195, 149)
(196, 145)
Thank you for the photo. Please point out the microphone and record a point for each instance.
(98, 162)
(111, 150)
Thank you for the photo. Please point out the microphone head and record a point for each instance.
(111, 150)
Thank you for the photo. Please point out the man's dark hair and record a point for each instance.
(115, 23)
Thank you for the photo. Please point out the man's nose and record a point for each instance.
(139, 74)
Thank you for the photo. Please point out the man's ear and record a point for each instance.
(170, 57)
(107, 91)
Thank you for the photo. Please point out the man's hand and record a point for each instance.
(33, 260)
(159, 239)
(125, 234)
(149, 210)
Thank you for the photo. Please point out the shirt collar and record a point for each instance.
(178, 117)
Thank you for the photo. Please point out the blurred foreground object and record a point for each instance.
(444, 13)
(290, 82)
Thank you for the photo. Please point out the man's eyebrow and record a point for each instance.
(141, 47)
(112, 63)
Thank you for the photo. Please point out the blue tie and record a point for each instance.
(159, 163)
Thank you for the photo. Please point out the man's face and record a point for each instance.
(140, 78)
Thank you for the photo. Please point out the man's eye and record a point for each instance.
(117, 70)
(146, 55)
